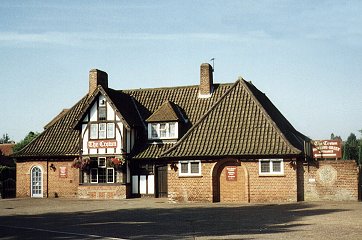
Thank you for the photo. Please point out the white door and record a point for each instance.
(36, 182)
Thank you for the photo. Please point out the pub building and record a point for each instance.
(208, 142)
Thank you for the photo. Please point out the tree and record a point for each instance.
(350, 148)
(28, 138)
(5, 138)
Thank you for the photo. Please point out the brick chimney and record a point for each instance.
(97, 77)
(206, 81)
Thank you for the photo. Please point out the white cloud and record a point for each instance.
(81, 38)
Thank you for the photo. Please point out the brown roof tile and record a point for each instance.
(237, 125)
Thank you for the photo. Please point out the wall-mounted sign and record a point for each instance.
(327, 149)
(231, 173)
(102, 144)
(63, 172)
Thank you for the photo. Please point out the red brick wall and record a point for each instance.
(102, 191)
(233, 190)
(53, 184)
(331, 180)
(249, 187)
(191, 188)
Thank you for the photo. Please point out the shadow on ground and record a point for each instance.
(188, 222)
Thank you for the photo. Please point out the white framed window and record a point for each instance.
(190, 168)
(94, 131)
(271, 167)
(102, 131)
(102, 162)
(163, 130)
(110, 130)
(110, 175)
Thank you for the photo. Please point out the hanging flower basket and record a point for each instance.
(81, 163)
(117, 162)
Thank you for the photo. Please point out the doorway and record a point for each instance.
(36, 182)
(161, 187)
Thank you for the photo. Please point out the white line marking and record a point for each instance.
(61, 232)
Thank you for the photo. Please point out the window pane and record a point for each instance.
(154, 133)
(277, 166)
(102, 113)
(102, 130)
(264, 166)
(94, 175)
(102, 162)
(94, 131)
(102, 175)
(184, 167)
(110, 130)
(110, 175)
(172, 128)
(195, 167)
(163, 130)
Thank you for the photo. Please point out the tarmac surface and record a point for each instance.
(158, 219)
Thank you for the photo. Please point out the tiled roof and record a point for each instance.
(237, 125)
(59, 139)
(237, 120)
(151, 150)
(164, 113)
(186, 98)
(6, 149)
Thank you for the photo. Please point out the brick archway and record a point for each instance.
(227, 188)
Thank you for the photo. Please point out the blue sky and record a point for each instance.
(305, 55)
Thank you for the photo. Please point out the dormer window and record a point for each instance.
(102, 109)
(167, 130)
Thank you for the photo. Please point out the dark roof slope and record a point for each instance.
(167, 112)
(59, 139)
(237, 125)
(186, 98)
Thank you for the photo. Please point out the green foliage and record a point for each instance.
(350, 148)
(5, 139)
(28, 138)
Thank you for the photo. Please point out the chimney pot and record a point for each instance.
(206, 80)
(96, 78)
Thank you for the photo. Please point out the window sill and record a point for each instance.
(190, 176)
(101, 184)
(272, 175)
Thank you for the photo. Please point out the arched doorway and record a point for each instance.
(36, 182)
(230, 182)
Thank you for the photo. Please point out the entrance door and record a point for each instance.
(36, 182)
(161, 172)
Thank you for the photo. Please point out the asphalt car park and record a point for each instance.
(159, 219)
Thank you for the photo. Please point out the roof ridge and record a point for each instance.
(166, 88)
(202, 118)
(266, 114)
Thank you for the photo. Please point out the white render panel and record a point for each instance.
(151, 184)
(85, 138)
(117, 118)
(143, 184)
(101, 150)
(93, 112)
(92, 151)
(110, 112)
